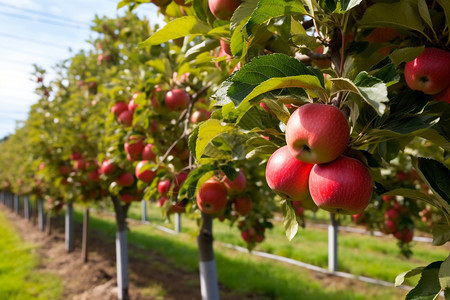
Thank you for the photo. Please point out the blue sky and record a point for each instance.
(41, 32)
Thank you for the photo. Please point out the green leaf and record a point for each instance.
(436, 175)
(177, 28)
(290, 219)
(441, 233)
(412, 194)
(374, 95)
(444, 275)
(207, 132)
(405, 54)
(403, 15)
(204, 46)
(446, 6)
(269, 9)
(428, 286)
(424, 13)
(401, 278)
(346, 5)
(244, 11)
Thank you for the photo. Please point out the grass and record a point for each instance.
(241, 272)
(19, 278)
(358, 254)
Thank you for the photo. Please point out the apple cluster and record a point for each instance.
(430, 73)
(170, 186)
(397, 220)
(312, 165)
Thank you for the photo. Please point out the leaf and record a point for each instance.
(269, 9)
(403, 15)
(204, 46)
(241, 13)
(412, 194)
(346, 5)
(425, 13)
(436, 175)
(290, 219)
(207, 132)
(180, 27)
(428, 286)
(444, 275)
(401, 278)
(441, 233)
(373, 95)
(406, 54)
(446, 6)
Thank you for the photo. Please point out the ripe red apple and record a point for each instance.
(42, 166)
(341, 186)
(405, 236)
(212, 196)
(383, 35)
(429, 72)
(287, 175)
(237, 185)
(125, 179)
(443, 96)
(223, 9)
(80, 164)
(164, 186)
(64, 170)
(108, 167)
(178, 208)
(147, 152)
(317, 133)
(119, 107)
(392, 214)
(243, 205)
(134, 147)
(298, 208)
(162, 201)
(390, 226)
(388, 198)
(76, 155)
(132, 105)
(179, 179)
(177, 99)
(143, 171)
(127, 198)
(358, 218)
(225, 47)
(126, 118)
(200, 115)
(94, 176)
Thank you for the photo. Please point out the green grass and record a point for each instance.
(358, 254)
(241, 272)
(19, 278)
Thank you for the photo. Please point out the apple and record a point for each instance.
(164, 186)
(179, 179)
(143, 171)
(237, 185)
(200, 115)
(94, 176)
(443, 96)
(390, 226)
(243, 205)
(225, 47)
(147, 152)
(342, 186)
(127, 198)
(429, 72)
(134, 147)
(388, 198)
(42, 166)
(288, 176)
(383, 35)
(76, 155)
(317, 133)
(177, 99)
(298, 208)
(64, 170)
(392, 214)
(212, 196)
(223, 9)
(126, 118)
(405, 236)
(358, 218)
(80, 164)
(178, 208)
(125, 179)
(107, 167)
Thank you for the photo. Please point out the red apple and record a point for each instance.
(177, 99)
(392, 214)
(287, 175)
(358, 218)
(179, 179)
(177, 208)
(119, 107)
(125, 179)
(405, 236)
(223, 9)
(212, 196)
(200, 115)
(390, 226)
(42, 166)
(162, 201)
(64, 170)
(342, 186)
(127, 198)
(80, 164)
(94, 176)
(126, 118)
(143, 171)
(237, 185)
(383, 35)
(147, 152)
(108, 167)
(243, 205)
(132, 105)
(76, 155)
(134, 147)
(164, 186)
(317, 133)
(225, 47)
(298, 208)
(429, 72)
(443, 96)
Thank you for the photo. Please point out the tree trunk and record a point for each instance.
(70, 232)
(121, 248)
(41, 215)
(85, 244)
(333, 244)
(208, 273)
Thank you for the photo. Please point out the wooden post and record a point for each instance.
(208, 274)
(69, 233)
(333, 244)
(84, 246)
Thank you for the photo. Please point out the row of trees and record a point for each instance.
(189, 115)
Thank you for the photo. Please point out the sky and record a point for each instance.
(42, 32)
